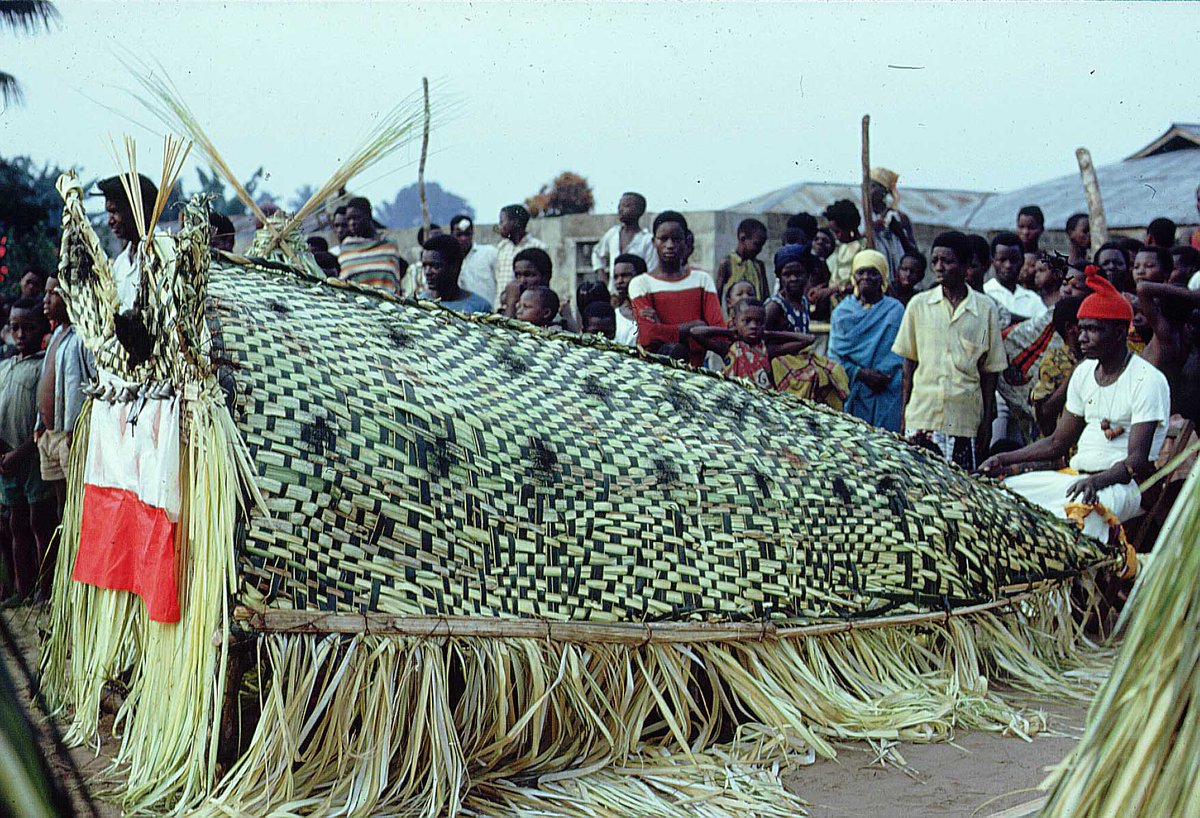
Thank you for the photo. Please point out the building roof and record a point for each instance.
(1158, 180)
(922, 205)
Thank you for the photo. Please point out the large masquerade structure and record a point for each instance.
(347, 554)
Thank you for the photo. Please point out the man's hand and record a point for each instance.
(994, 466)
(9, 462)
(685, 329)
(1087, 490)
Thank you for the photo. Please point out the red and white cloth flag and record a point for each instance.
(131, 503)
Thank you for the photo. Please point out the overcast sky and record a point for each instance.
(697, 105)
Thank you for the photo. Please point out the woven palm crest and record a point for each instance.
(495, 571)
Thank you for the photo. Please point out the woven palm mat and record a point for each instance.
(418, 462)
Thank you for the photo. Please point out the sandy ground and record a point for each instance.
(978, 774)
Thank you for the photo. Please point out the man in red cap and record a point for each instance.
(1116, 415)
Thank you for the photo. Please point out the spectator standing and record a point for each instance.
(1114, 265)
(1161, 233)
(33, 283)
(1079, 236)
(367, 257)
(908, 278)
(1048, 396)
(950, 340)
(340, 230)
(893, 230)
(441, 263)
(1031, 223)
(538, 305)
(748, 348)
(28, 501)
(599, 318)
(1048, 278)
(1003, 288)
(627, 236)
(1186, 261)
(1152, 263)
(743, 263)
(788, 309)
(1117, 408)
(864, 328)
(671, 301)
(478, 273)
(514, 219)
(625, 269)
(844, 220)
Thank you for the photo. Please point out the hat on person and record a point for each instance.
(112, 188)
(887, 178)
(1105, 303)
(873, 259)
(788, 253)
(462, 223)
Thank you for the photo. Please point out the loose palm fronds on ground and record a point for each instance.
(1139, 752)
(500, 571)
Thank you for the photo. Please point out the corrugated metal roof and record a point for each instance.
(923, 205)
(1134, 192)
(1180, 136)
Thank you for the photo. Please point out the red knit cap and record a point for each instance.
(1104, 302)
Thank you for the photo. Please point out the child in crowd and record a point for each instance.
(599, 318)
(1186, 261)
(587, 293)
(627, 237)
(981, 262)
(626, 267)
(1079, 236)
(1028, 270)
(1048, 278)
(66, 366)
(739, 291)
(1031, 223)
(788, 309)
(1153, 263)
(909, 277)
(748, 348)
(1161, 233)
(743, 263)
(672, 301)
(532, 267)
(28, 500)
(538, 305)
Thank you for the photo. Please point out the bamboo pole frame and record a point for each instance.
(1095, 205)
(616, 633)
(868, 216)
(424, 154)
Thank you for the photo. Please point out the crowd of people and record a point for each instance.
(1059, 372)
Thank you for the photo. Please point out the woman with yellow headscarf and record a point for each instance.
(864, 325)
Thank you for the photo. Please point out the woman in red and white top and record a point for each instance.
(671, 300)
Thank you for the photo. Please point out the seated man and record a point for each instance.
(1116, 415)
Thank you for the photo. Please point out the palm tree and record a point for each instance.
(25, 16)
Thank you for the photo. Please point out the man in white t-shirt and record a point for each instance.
(1118, 406)
(479, 260)
(122, 223)
(627, 236)
(1007, 258)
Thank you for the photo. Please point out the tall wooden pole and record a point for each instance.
(1095, 205)
(868, 216)
(424, 153)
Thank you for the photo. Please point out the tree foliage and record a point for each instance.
(30, 216)
(405, 209)
(568, 193)
(26, 17)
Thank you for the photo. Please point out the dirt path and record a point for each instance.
(979, 774)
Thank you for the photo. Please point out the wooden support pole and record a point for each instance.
(424, 153)
(1095, 205)
(868, 216)
(626, 633)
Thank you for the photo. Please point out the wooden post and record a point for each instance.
(868, 216)
(424, 153)
(1095, 205)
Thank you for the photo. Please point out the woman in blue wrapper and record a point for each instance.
(864, 327)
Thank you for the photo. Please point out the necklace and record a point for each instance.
(1112, 430)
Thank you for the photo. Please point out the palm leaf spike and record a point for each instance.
(128, 177)
(166, 103)
(27, 16)
(395, 130)
(175, 153)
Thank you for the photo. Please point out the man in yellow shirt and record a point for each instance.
(950, 340)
